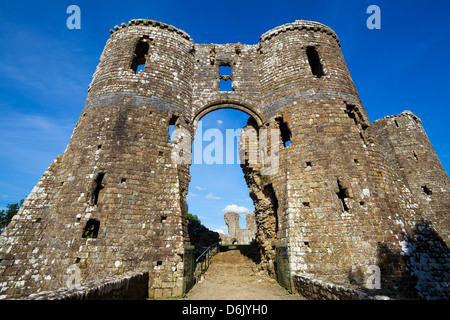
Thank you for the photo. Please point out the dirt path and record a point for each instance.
(233, 276)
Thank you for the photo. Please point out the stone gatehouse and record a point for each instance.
(347, 193)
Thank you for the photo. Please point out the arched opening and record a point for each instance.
(227, 104)
(217, 182)
(222, 179)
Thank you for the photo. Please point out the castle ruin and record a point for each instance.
(236, 234)
(348, 193)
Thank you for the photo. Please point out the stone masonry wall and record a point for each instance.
(129, 286)
(316, 289)
(236, 234)
(410, 153)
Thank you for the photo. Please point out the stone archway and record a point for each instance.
(215, 105)
(227, 104)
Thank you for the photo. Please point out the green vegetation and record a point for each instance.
(192, 216)
(6, 216)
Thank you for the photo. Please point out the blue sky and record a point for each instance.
(45, 70)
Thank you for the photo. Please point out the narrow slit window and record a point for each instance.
(140, 56)
(314, 62)
(285, 133)
(225, 78)
(172, 123)
(91, 229)
(172, 132)
(427, 190)
(98, 186)
(342, 195)
(351, 112)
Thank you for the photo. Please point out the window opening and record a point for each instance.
(351, 112)
(285, 133)
(225, 78)
(140, 56)
(314, 62)
(91, 229)
(172, 123)
(98, 186)
(342, 195)
(427, 190)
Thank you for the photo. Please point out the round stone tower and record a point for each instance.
(302, 60)
(319, 207)
(115, 201)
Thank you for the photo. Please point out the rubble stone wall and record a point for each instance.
(129, 286)
(236, 234)
(316, 289)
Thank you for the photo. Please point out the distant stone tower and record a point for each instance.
(237, 235)
(346, 194)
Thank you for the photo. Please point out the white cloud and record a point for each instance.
(211, 196)
(222, 230)
(199, 188)
(191, 194)
(235, 208)
(4, 196)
